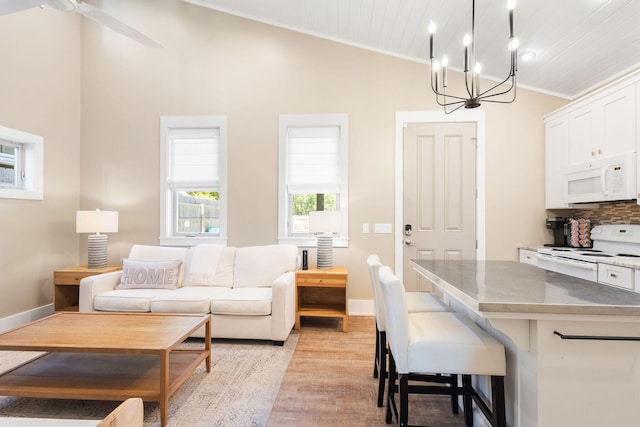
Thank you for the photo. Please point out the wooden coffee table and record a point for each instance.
(106, 356)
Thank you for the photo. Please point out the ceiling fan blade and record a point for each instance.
(99, 16)
(12, 6)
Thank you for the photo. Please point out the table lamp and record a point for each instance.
(324, 224)
(97, 222)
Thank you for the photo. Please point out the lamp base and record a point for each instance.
(325, 251)
(97, 250)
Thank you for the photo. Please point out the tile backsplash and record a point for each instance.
(611, 213)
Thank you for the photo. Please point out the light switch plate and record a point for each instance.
(383, 228)
(365, 228)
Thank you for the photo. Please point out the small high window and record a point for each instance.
(21, 165)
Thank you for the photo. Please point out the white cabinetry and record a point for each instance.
(603, 124)
(603, 127)
(614, 275)
(556, 161)
(582, 140)
(528, 256)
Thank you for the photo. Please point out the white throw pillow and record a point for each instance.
(258, 266)
(209, 265)
(149, 274)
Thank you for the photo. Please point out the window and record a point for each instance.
(11, 170)
(193, 180)
(312, 174)
(21, 165)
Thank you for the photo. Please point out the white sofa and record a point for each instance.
(249, 291)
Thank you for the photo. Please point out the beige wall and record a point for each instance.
(212, 63)
(40, 94)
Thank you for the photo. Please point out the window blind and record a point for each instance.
(194, 158)
(313, 160)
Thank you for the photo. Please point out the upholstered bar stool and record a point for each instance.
(416, 302)
(445, 342)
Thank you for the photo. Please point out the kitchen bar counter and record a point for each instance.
(489, 286)
(589, 378)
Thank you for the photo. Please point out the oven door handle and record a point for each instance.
(573, 263)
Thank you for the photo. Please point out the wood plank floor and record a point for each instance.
(330, 381)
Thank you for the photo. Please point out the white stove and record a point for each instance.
(611, 243)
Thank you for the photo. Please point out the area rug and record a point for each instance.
(240, 390)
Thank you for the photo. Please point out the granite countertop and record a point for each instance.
(513, 287)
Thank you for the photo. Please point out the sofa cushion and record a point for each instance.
(209, 265)
(149, 274)
(243, 302)
(132, 300)
(160, 253)
(189, 299)
(261, 265)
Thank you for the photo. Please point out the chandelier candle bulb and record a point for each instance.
(435, 69)
(445, 62)
(513, 45)
(432, 29)
(466, 42)
(476, 78)
(510, 6)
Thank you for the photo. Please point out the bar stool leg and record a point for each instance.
(377, 358)
(403, 417)
(454, 396)
(497, 402)
(382, 350)
(467, 400)
(391, 389)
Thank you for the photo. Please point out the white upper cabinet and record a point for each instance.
(603, 124)
(556, 160)
(603, 127)
(585, 135)
(620, 121)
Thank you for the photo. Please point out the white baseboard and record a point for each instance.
(361, 307)
(17, 320)
(357, 307)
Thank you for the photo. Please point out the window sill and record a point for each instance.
(192, 241)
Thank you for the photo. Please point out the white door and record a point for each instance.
(439, 195)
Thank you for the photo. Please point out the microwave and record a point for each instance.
(601, 180)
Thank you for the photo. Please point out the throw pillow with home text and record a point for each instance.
(149, 274)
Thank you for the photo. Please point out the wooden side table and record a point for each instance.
(322, 293)
(66, 283)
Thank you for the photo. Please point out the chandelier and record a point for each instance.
(474, 96)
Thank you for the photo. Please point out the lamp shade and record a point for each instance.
(96, 221)
(324, 222)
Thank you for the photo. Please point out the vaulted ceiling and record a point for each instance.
(579, 44)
